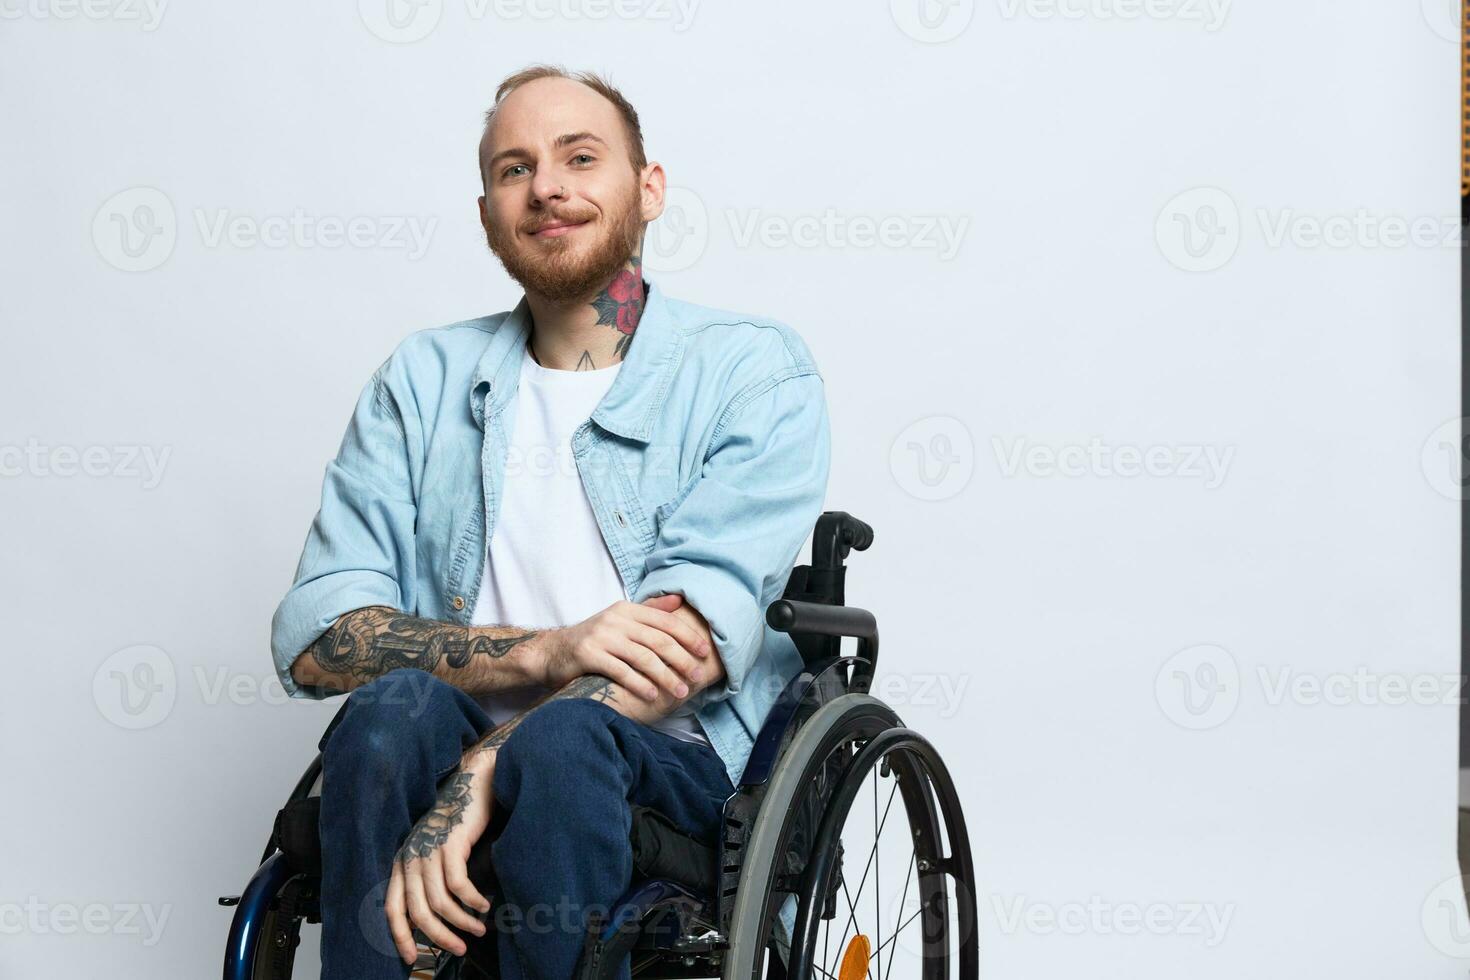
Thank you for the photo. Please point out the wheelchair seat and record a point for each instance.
(751, 904)
(660, 849)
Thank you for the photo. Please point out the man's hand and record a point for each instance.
(429, 872)
(641, 646)
(630, 645)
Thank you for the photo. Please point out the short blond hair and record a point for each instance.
(592, 80)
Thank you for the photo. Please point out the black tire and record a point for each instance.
(857, 736)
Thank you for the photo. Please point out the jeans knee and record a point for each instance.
(400, 697)
(382, 724)
(558, 736)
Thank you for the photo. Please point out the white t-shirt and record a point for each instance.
(547, 564)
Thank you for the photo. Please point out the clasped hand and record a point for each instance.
(647, 648)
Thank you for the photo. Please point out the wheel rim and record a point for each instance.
(919, 922)
(891, 879)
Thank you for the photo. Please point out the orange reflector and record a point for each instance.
(855, 960)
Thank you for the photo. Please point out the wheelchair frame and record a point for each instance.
(669, 930)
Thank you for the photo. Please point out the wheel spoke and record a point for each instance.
(851, 914)
(868, 866)
(878, 864)
(826, 937)
(892, 952)
(895, 936)
(872, 854)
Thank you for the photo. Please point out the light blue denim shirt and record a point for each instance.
(705, 463)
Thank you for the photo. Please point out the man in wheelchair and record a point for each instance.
(541, 565)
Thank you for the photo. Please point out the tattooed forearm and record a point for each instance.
(369, 642)
(592, 686)
(433, 828)
(457, 792)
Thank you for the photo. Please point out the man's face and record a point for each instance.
(562, 215)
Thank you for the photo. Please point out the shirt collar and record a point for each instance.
(637, 393)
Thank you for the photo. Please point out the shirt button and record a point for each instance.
(459, 602)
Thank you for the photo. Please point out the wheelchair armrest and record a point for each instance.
(798, 616)
(825, 619)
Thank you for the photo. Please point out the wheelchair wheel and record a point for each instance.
(873, 885)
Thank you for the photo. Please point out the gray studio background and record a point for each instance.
(1140, 337)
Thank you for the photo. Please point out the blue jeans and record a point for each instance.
(564, 783)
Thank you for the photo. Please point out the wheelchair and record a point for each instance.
(786, 890)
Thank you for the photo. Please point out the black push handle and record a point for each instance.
(836, 533)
